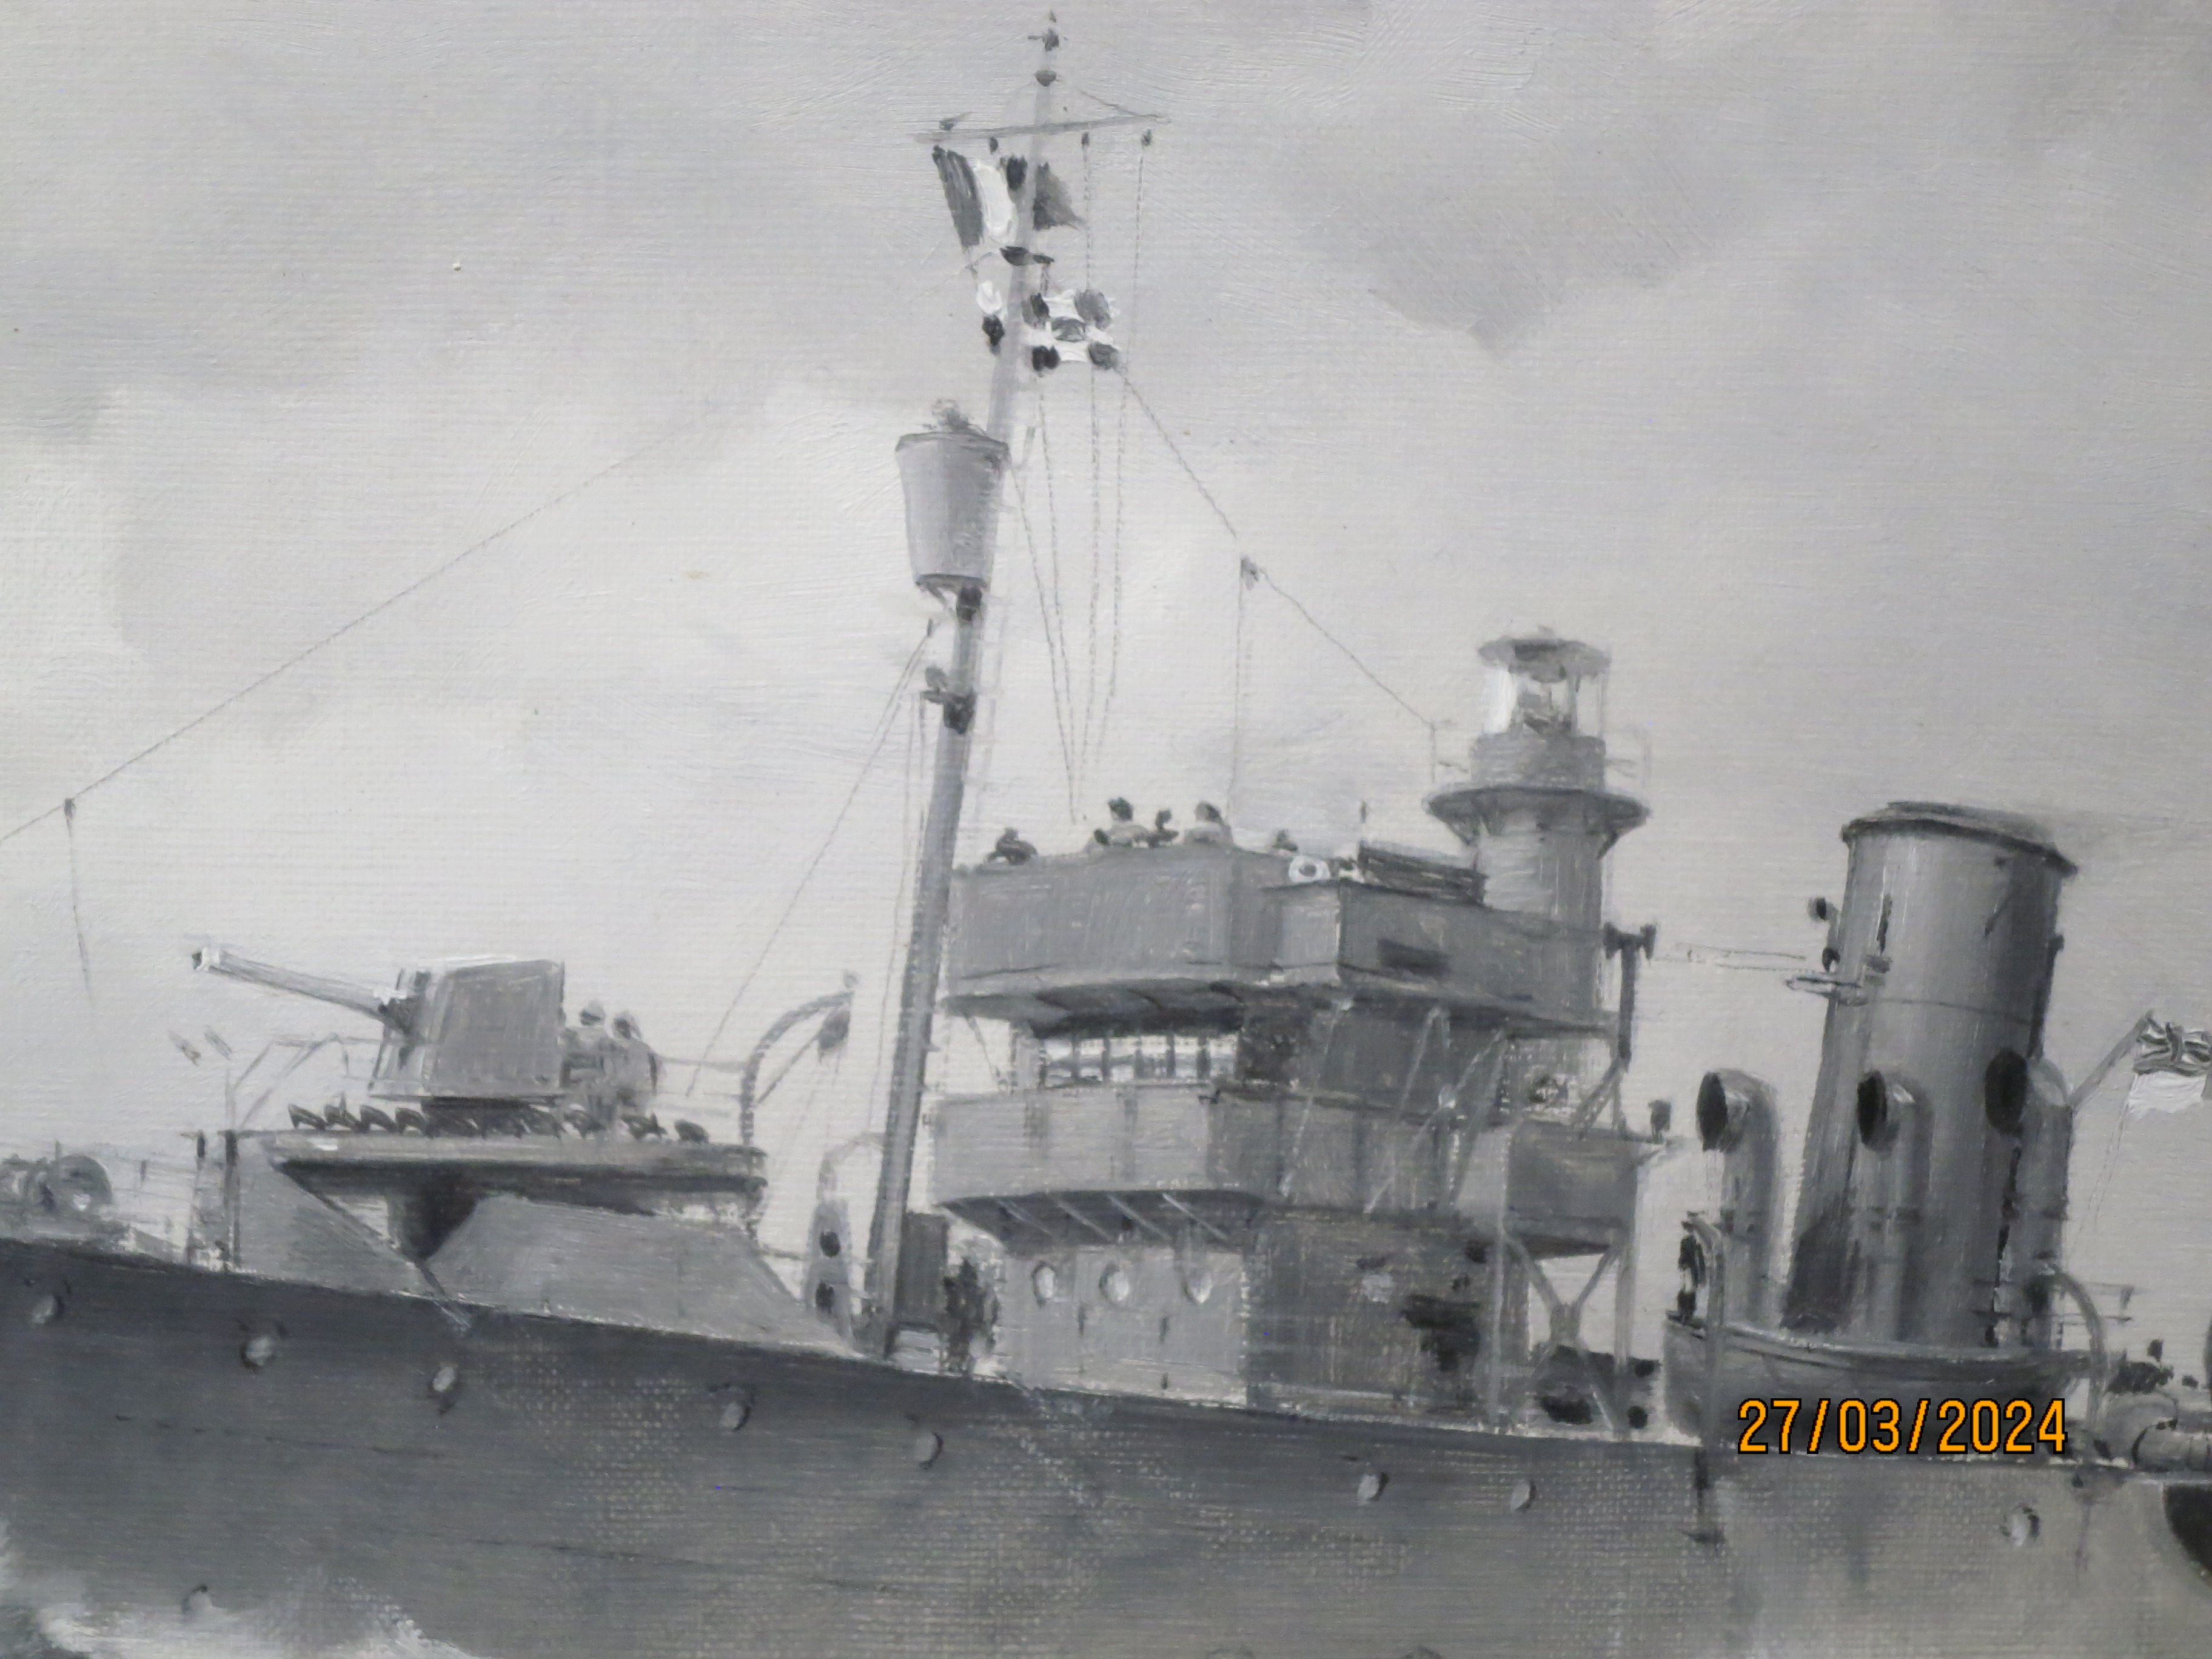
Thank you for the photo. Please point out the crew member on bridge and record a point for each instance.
(587, 1066)
(1011, 848)
(634, 1070)
(1122, 829)
(1211, 830)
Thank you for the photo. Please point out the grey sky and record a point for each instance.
(1842, 368)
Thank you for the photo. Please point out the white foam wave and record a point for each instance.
(51, 1618)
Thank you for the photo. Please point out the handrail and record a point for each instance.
(2093, 1325)
(1707, 1530)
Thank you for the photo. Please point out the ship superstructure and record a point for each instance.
(1301, 1132)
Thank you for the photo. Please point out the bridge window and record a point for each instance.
(1137, 1057)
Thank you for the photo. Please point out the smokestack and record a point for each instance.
(1924, 1152)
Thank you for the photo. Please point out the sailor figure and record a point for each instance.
(1011, 848)
(587, 1062)
(633, 1069)
(1211, 830)
(1122, 829)
(971, 1315)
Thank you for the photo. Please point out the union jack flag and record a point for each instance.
(2168, 1047)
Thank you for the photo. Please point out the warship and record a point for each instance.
(1242, 1316)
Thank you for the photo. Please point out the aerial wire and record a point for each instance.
(360, 620)
(1059, 592)
(76, 904)
(1252, 571)
(885, 721)
(1094, 736)
(1052, 650)
(1237, 692)
(909, 838)
(1121, 432)
(1259, 572)
(1176, 450)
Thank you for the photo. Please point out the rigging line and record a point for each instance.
(1003, 1081)
(1089, 218)
(2104, 1172)
(77, 903)
(885, 722)
(1051, 646)
(1121, 439)
(1058, 604)
(1117, 108)
(1051, 649)
(1174, 449)
(1313, 622)
(1113, 563)
(301, 1058)
(1091, 710)
(1350, 656)
(1237, 699)
(368, 615)
(909, 834)
(799, 1120)
(2084, 1091)
(1094, 735)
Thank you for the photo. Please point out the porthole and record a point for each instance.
(1198, 1284)
(46, 1310)
(1044, 1280)
(2004, 1092)
(1876, 1121)
(831, 1245)
(926, 1449)
(1370, 1485)
(1522, 1495)
(1377, 1285)
(2022, 1526)
(446, 1385)
(1116, 1285)
(259, 1350)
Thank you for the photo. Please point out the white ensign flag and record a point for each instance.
(2171, 1067)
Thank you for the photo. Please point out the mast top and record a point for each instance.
(955, 133)
(945, 133)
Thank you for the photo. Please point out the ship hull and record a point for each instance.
(180, 1444)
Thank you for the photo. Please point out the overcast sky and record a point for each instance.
(1842, 368)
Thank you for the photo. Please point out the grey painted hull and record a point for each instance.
(575, 1491)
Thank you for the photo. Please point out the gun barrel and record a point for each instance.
(375, 1005)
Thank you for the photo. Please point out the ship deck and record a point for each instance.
(519, 1162)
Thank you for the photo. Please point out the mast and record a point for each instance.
(955, 696)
